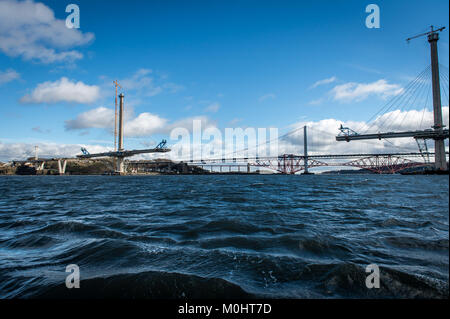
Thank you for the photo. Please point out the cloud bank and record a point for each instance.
(63, 90)
(144, 124)
(321, 136)
(30, 30)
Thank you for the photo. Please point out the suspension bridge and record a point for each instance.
(438, 133)
(415, 113)
(387, 124)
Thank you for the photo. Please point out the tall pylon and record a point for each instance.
(116, 85)
(440, 160)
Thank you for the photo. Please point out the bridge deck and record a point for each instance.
(318, 156)
(427, 134)
(125, 153)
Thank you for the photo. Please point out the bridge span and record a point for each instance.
(291, 164)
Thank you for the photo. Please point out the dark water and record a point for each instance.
(224, 236)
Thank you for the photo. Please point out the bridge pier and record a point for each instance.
(121, 159)
(305, 149)
(62, 166)
(120, 169)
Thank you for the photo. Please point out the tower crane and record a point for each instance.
(426, 33)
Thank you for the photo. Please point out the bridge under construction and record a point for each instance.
(437, 133)
(387, 162)
(120, 154)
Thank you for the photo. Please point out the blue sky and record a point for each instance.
(232, 63)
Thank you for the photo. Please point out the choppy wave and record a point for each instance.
(264, 236)
(325, 280)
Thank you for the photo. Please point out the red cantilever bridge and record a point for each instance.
(377, 163)
(291, 164)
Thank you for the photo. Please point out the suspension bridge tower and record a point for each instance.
(439, 145)
(438, 133)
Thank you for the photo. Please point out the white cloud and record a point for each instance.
(323, 82)
(62, 90)
(144, 124)
(147, 83)
(8, 76)
(360, 91)
(267, 97)
(213, 107)
(187, 123)
(21, 151)
(141, 80)
(408, 120)
(322, 137)
(321, 134)
(100, 117)
(30, 30)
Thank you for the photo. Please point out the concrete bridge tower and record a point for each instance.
(120, 159)
(439, 146)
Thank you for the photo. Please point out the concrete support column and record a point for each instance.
(120, 165)
(121, 96)
(62, 166)
(305, 148)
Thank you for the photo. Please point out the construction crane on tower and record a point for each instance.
(426, 33)
(119, 154)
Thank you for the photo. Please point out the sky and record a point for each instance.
(259, 64)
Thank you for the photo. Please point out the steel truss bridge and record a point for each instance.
(291, 164)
